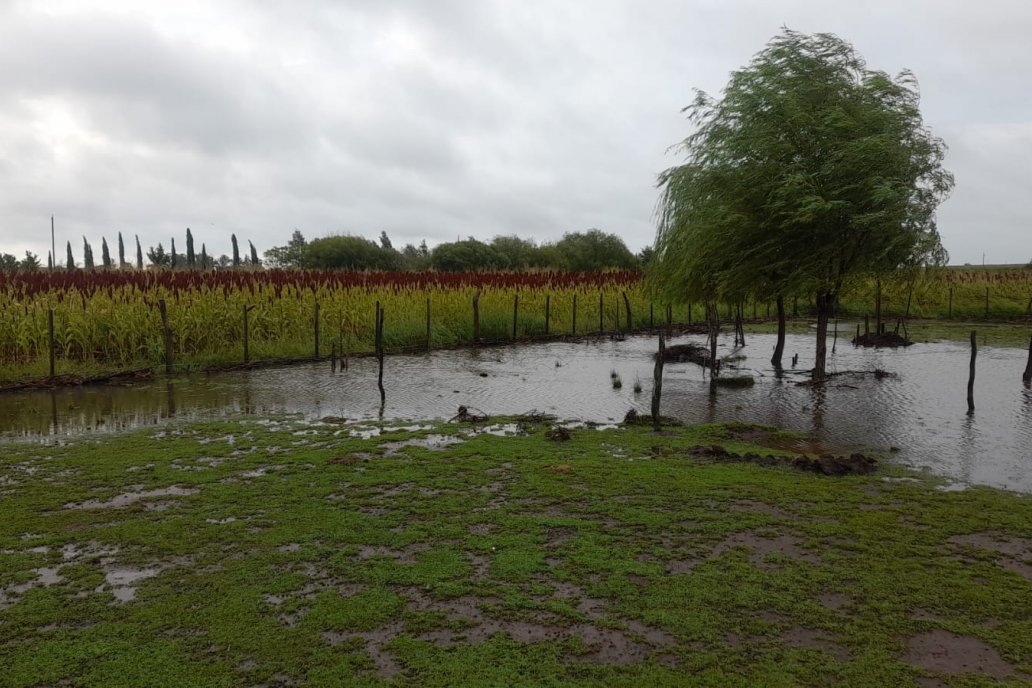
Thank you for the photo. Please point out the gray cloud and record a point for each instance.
(445, 119)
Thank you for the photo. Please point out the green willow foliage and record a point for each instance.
(811, 171)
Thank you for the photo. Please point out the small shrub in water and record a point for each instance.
(637, 386)
(617, 382)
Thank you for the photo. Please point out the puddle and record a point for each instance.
(431, 442)
(128, 498)
(921, 410)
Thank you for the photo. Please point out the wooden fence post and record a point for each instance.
(428, 323)
(52, 345)
(476, 319)
(627, 308)
(601, 325)
(247, 342)
(1027, 376)
(651, 317)
(574, 329)
(167, 332)
(548, 311)
(971, 373)
(657, 381)
(949, 313)
(379, 353)
(987, 303)
(515, 313)
(317, 329)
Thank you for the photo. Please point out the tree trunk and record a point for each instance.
(714, 334)
(824, 307)
(779, 348)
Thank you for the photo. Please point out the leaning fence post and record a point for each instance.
(573, 330)
(50, 339)
(971, 374)
(167, 332)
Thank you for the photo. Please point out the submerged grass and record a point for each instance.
(296, 553)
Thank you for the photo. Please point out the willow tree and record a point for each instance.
(811, 171)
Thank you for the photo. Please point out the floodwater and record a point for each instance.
(920, 413)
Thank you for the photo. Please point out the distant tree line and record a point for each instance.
(589, 251)
(157, 257)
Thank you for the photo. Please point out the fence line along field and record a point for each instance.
(107, 321)
(110, 320)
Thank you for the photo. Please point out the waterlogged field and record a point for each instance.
(111, 320)
(324, 554)
(108, 321)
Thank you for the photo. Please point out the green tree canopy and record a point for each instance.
(593, 251)
(349, 253)
(812, 170)
(466, 256)
(290, 256)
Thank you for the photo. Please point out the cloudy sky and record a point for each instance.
(440, 119)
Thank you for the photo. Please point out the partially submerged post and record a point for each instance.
(627, 308)
(1027, 376)
(657, 381)
(379, 352)
(971, 374)
(573, 330)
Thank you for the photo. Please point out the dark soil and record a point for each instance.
(826, 464)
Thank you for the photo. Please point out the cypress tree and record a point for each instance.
(87, 254)
(190, 257)
(254, 254)
(105, 255)
(173, 253)
(236, 251)
(139, 254)
(204, 257)
(121, 251)
(71, 261)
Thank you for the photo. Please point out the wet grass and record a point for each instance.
(297, 554)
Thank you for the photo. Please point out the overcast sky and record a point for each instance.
(441, 119)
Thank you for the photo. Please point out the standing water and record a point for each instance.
(919, 411)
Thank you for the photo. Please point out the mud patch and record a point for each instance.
(762, 547)
(430, 442)
(948, 653)
(1015, 553)
(129, 498)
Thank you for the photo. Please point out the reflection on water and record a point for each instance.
(922, 411)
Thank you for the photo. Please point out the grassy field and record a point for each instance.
(278, 553)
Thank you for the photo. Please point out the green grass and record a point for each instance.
(497, 561)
